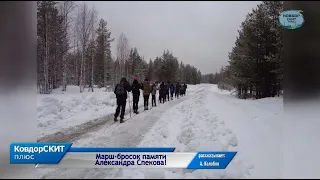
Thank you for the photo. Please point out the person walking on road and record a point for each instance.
(168, 91)
(185, 89)
(162, 93)
(158, 88)
(171, 91)
(181, 90)
(154, 89)
(121, 90)
(177, 90)
(136, 86)
(146, 93)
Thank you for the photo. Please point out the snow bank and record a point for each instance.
(65, 109)
(60, 110)
(258, 126)
(267, 143)
(301, 140)
(190, 128)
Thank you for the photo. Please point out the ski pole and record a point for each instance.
(129, 106)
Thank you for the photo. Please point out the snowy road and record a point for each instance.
(78, 131)
(205, 119)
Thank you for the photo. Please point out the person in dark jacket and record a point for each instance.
(162, 92)
(146, 93)
(121, 90)
(136, 86)
(171, 91)
(177, 90)
(181, 90)
(185, 89)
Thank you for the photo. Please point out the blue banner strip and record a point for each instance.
(38, 153)
(52, 153)
(133, 149)
(211, 160)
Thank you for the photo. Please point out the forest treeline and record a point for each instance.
(255, 67)
(74, 48)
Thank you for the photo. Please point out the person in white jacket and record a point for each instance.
(154, 89)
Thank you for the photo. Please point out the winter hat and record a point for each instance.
(123, 79)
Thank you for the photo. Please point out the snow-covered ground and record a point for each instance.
(61, 110)
(257, 125)
(300, 139)
(205, 119)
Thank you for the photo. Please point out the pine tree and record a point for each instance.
(65, 8)
(81, 55)
(49, 45)
(170, 66)
(256, 60)
(150, 70)
(103, 59)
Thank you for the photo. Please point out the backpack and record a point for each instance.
(171, 89)
(135, 88)
(120, 89)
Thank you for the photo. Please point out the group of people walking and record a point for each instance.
(165, 89)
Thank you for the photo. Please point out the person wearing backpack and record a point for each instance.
(136, 86)
(146, 93)
(121, 90)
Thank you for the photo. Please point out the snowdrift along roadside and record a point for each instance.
(60, 110)
(190, 127)
(207, 119)
(258, 126)
(70, 108)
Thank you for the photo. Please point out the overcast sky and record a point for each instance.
(198, 33)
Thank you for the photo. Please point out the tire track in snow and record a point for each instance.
(128, 134)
